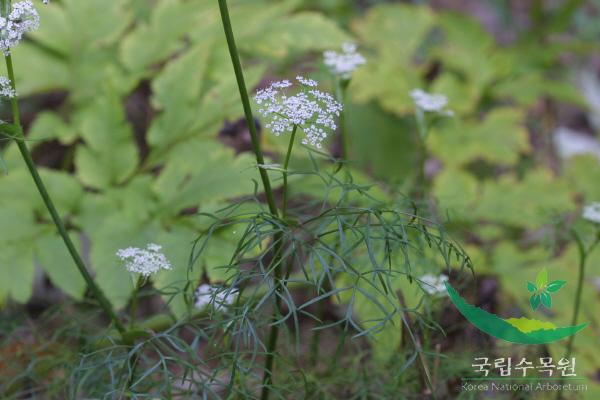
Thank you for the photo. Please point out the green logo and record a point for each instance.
(542, 290)
(519, 330)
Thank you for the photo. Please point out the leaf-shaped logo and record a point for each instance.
(541, 291)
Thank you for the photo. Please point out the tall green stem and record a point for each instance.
(274, 332)
(134, 301)
(98, 294)
(583, 255)
(285, 172)
(581, 274)
(341, 94)
(239, 75)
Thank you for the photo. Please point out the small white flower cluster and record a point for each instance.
(433, 284)
(146, 261)
(310, 109)
(343, 64)
(591, 212)
(427, 102)
(220, 297)
(22, 18)
(6, 89)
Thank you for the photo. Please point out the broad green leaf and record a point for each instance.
(463, 95)
(396, 30)
(387, 82)
(529, 88)
(541, 278)
(54, 258)
(300, 32)
(555, 286)
(135, 203)
(106, 239)
(395, 150)
(170, 21)
(101, 170)
(92, 23)
(16, 270)
(523, 202)
(49, 125)
(110, 155)
(179, 283)
(456, 191)
(469, 50)
(201, 171)
(531, 287)
(583, 174)
(500, 139)
(65, 191)
(41, 72)
(177, 92)
(18, 223)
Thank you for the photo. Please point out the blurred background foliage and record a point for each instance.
(132, 110)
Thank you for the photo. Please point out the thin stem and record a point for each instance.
(341, 95)
(274, 332)
(239, 75)
(98, 294)
(578, 292)
(417, 343)
(583, 255)
(285, 172)
(134, 301)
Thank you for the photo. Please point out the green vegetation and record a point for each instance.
(325, 264)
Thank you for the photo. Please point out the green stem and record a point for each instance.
(578, 292)
(239, 75)
(285, 172)
(134, 302)
(583, 255)
(98, 294)
(417, 343)
(274, 332)
(341, 95)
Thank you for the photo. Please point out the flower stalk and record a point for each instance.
(583, 257)
(239, 74)
(60, 226)
(285, 172)
(241, 83)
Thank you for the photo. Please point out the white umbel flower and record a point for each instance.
(591, 212)
(344, 63)
(311, 110)
(435, 103)
(433, 284)
(146, 261)
(22, 18)
(220, 297)
(6, 89)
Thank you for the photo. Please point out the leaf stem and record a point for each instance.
(417, 343)
(134, 301)
(285, 172)
(97, 292)
(345, 136)
(583, 255)
(239, 75)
